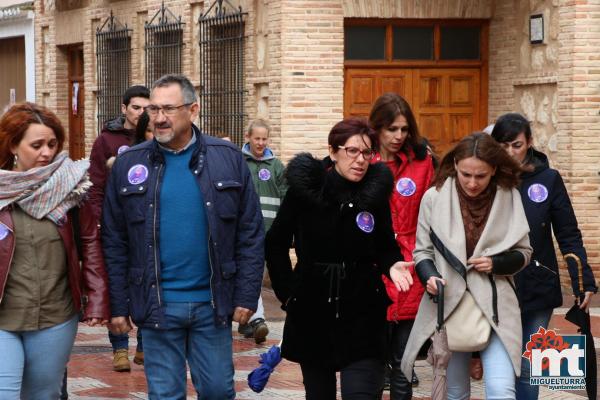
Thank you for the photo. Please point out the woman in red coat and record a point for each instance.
(406, 154)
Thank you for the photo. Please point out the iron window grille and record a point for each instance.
(113, 58)
(164, 43)
(222, 71)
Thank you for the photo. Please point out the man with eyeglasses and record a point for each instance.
(183, 241)
(117, 136)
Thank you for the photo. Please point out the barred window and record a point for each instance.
(113, 58)
(222, 91)
(164, 42)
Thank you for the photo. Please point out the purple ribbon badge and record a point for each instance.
(264, 174)
(122, 149)
(137, 174)
(537, 192)
(406, 187)
(365, 221)
(3, 232)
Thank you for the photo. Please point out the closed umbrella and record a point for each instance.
(439, 354)
(581, 318)
(258, 378)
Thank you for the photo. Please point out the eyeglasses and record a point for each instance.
(353, 152)
(168, 111)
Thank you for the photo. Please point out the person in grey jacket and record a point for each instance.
(475, 211)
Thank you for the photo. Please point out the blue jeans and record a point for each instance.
(33, 362)
(531, 322)
(122, 341)
(189, 334)
(499, 375)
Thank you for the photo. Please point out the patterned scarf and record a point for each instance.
(46, 192)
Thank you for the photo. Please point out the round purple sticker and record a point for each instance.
(537, 192)
(264, 174)
(406, 187)
(365, 221)
(122, 149)
(137, 174)
(3, 232)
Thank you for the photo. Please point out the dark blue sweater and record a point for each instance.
(185, 269)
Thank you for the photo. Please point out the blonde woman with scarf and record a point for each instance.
(44, 233)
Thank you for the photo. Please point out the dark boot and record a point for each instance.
(386, 376)
(400, 387)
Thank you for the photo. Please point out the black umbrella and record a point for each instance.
(581, 318)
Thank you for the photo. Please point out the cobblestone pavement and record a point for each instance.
(91, 375)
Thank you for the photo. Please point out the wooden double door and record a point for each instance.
(447, 102)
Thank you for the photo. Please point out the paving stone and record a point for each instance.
(91, 376)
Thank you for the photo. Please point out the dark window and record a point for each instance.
(364, 43)
(413, 43)
(113, 58)
(460, 43)
(164, 41)
(222, 92)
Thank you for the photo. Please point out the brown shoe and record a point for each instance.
(260, 330)
(121, 361)
(139, 358)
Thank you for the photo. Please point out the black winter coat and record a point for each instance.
(334, 297)
(548, 208)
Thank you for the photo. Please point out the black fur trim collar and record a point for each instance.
(317, 183)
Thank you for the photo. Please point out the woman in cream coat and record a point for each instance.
(476, 212)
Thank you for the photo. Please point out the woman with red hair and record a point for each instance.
(45, 230)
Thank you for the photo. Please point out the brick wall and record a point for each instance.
(51, 64)
(294, 71)
(263, 65)
(417, 8)
(556, 84)
(579, 120)
(312, 68)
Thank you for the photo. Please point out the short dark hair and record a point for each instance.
(141, 127)
(345, 129)
(135, 91)
(509, 126)
(187, 89)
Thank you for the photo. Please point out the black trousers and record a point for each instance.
(361, 380)
(400, 386)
